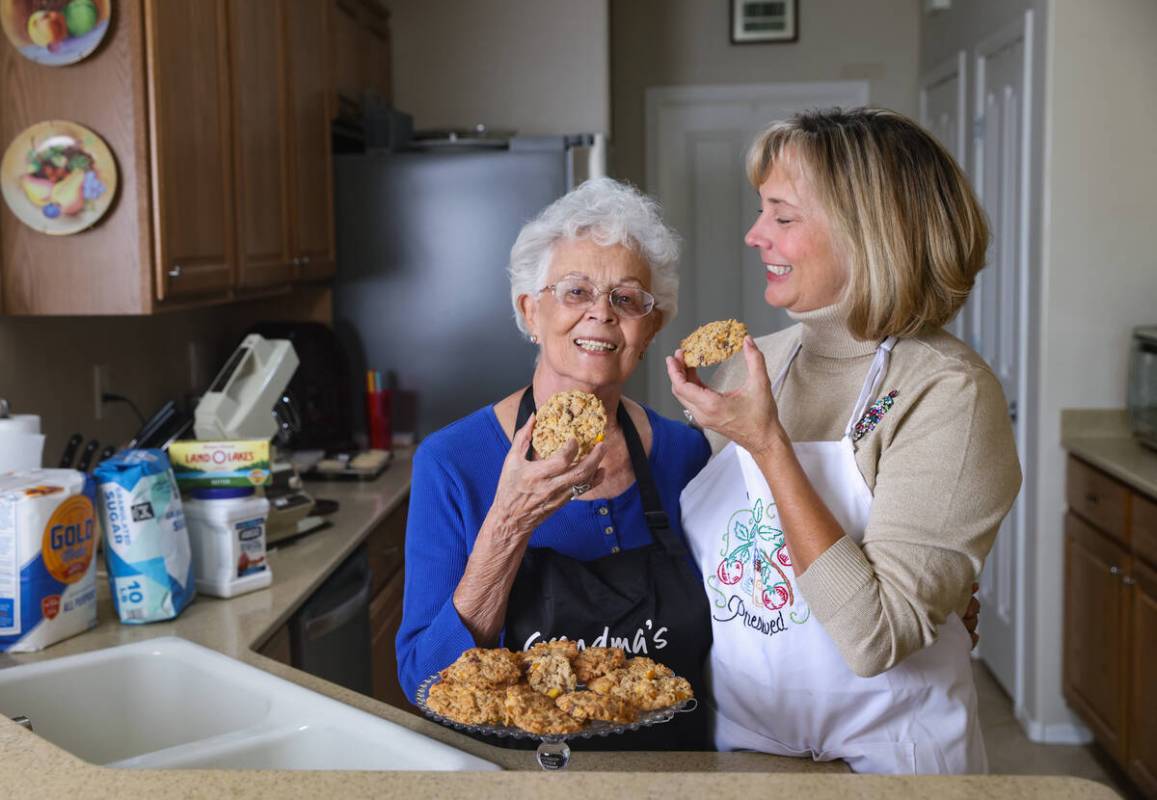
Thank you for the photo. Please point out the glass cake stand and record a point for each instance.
(553, 751)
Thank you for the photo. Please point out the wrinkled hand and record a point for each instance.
(972, 615)
(530, 491)
(747, 416)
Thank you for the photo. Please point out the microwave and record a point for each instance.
(1142, 394)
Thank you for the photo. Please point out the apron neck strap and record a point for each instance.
(656, 517)
(872, 383)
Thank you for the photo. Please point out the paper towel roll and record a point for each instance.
(20, 450)
(26, 423)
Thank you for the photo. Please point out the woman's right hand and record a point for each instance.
(530, 491)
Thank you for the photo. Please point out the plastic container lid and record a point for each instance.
(222, 493)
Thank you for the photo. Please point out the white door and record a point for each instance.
(697, 139)
(944, 112)
(996, 323)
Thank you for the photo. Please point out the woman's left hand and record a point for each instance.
(747, 416)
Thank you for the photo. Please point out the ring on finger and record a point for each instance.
(578, 489)
(690, 417)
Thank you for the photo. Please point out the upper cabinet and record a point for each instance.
(218, 114)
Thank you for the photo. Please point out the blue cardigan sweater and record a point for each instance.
(455, 477)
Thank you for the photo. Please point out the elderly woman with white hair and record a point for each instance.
(504, 550)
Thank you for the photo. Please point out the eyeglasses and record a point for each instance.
(629, 302)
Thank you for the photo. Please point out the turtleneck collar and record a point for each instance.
(825, 333)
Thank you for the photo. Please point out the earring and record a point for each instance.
(533, 339)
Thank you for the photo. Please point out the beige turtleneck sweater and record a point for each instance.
(941, 464)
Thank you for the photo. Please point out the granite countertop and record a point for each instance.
(1102, 438)
(236, 627)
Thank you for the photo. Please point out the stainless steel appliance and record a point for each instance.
(423, 240)
(330, 635)
(1142, 394)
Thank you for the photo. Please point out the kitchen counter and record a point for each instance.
(1102, 438)
(236, 627)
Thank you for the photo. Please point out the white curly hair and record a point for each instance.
(607, 213)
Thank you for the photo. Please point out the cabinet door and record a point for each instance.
(260, 143)
(376, 50)
(311, 166)
(1143, 729)
(188, 72)
(385, 619)
(346, 38)
(1095, 659)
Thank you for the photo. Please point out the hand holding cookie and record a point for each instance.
(530, 491)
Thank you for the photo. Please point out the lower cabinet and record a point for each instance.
(1110, 647)
(385, 545)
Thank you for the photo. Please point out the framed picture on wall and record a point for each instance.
(755, 21)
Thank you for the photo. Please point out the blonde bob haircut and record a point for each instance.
(904, 218)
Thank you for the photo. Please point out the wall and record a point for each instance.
(540, 67)
(687, 42)
(1097, 103)
(46, 363)
(1099, 276)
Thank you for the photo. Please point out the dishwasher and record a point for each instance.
(330, 633)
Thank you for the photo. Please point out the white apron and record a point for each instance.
(779, 684)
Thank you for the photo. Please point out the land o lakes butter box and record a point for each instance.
(205, 465)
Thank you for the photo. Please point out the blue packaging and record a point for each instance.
(150, 564)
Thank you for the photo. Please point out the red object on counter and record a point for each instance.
(378, 407)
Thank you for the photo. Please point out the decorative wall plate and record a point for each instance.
(58, 177)
(55, 32)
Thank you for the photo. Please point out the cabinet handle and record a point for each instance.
(1092, 498)
(305, 261)
(175, 271)
(1128, 580)
(296, 262)
(1115, 571)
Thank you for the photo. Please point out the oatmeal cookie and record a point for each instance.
(596, 661)
(468, 705)
(567, 649)
(565, 416)
(712, 343)
(536, 712)
(484, 669)
(655, 693)
(589, 705)
(551, 675)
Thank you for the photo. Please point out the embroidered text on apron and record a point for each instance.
(646, 598)
(778, 681)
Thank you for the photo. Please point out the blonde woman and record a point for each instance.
(864, 458)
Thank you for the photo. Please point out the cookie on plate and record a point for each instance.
(712, 343)
(551, 674)
(589, 705)
(563, 647)
(537, 713)
(484, 668)
(467, 704)
(597, 661)
(565, 416)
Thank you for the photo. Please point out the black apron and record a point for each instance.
(637, 598)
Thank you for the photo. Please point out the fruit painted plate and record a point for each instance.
(55, 32)
(58, 177)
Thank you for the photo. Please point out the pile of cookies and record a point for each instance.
(541, 690)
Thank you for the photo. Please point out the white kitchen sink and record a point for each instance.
(170, 703)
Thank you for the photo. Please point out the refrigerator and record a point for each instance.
(423, 241)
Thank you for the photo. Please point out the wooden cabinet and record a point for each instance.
(1095, 638)
(1110, 648)
(218, 114)
(385, 545)
(260, 141)
(309, 87)
(361, 49)
(190, 146)
(1142, 763)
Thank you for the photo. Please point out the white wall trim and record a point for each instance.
(1019, 30)
(1056, 733)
